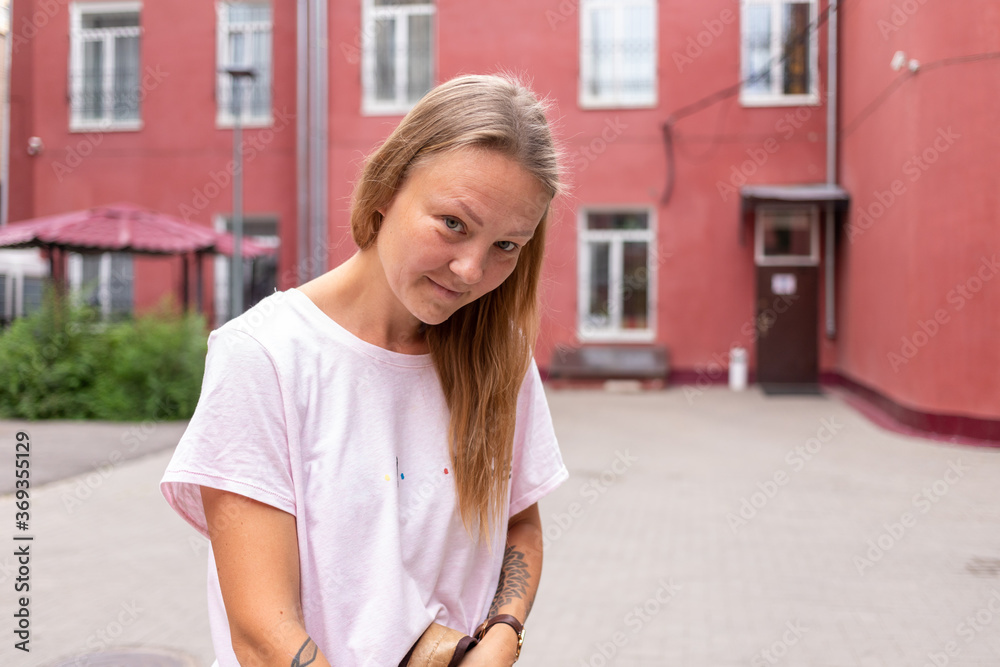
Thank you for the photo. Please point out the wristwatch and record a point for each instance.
(509, 620)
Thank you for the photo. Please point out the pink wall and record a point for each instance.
(705, 278)
(169, 164)
(892, 276)
(920, 302)
(22, 111)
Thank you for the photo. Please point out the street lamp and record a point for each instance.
(237, 74)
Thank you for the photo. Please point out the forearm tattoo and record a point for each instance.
(306, 654)
(514, 578)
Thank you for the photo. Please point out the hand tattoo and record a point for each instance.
(306, 654)
(513, 584)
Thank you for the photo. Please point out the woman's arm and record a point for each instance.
(257, 558)
(519, 576)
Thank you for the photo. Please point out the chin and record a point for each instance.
(431, 320)
(433, 316)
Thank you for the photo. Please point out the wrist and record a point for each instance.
(503, 631)
(501, 641)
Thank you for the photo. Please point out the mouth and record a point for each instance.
(445, 292)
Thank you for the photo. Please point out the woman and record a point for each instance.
(368, 449)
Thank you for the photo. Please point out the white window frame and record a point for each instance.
(224, 85)
(77, 12)
(762, 212)
(616, 99)
(615, 333)
(75, 272)
(775, 98)
(369, 14)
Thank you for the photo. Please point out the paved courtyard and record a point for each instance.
(698, 529)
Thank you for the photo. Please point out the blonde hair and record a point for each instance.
(483, 351)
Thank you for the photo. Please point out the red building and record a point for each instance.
(717, 200)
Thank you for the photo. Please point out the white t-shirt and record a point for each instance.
(351, 439)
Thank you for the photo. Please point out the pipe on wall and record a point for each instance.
(5, 131)
(302, 216)
(831, 171)
(312, 151)
(318, 144)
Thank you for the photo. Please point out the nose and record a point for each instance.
(469, 265)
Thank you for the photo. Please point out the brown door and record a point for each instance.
(787, 334)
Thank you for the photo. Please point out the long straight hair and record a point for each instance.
(483, 351)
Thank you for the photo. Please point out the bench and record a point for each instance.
(634, 362)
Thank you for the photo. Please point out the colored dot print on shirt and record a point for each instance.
(387, 478)
(446, 471)
(402, 476)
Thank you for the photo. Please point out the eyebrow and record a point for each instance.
(469, 212)
(476, 219)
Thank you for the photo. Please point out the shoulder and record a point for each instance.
(267, 319)
(279, 326)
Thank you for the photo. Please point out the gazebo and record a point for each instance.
(124, 228)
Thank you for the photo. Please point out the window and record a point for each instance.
(398, 54)
(779, 52)
(617, 53)
(103, 281)
(616, 276)
(104, 66)
(4, 17)
(32, 296)
(787, 235)
(259, 273)
(244, 40)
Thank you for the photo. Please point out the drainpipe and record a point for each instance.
(5, 132)
(318, 145)
(831, 169)
(301, 140)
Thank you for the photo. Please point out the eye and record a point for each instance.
(510, 247)
(452, 224)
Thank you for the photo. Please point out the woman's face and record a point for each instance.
(455, 228)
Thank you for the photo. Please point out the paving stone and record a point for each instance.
(821, 570)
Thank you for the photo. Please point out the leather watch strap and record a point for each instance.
(509, 620)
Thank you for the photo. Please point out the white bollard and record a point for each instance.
(738, 369)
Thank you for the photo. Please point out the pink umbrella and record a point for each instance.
(123, 228)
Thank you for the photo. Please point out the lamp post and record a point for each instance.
(237, 74)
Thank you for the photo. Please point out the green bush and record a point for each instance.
(63, 362)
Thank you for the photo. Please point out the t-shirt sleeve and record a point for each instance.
(237, 439)
(537, 464)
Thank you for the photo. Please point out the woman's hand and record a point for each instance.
(497, 649)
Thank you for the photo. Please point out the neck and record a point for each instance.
(358, 297)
